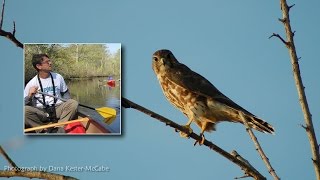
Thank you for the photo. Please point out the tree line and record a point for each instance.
(75, 60)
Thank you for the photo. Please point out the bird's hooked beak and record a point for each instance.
(163, 61)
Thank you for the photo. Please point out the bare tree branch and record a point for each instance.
(19, 172)
(9, 35)
(258, 147)
(278, 36)
(248, 169)
(6, 156)
(35, 174)
(300, 88)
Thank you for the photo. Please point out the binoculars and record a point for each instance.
(51, 113)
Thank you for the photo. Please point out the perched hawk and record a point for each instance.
(197, 98)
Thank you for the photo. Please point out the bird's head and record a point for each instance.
(163, 60)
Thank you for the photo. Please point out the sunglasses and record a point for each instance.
(46, 62)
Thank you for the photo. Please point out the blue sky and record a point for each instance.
(225, 41)
(113, 47)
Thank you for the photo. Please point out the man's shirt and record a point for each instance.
(60, 87)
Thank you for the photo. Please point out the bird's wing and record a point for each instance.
(185, 77)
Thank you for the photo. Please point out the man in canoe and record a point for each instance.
(41, 109)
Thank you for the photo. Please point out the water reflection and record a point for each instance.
(96, 93)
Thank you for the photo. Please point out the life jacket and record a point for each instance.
(75, 128)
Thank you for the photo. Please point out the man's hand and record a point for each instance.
(32, 91)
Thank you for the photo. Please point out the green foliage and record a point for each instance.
(75, 60)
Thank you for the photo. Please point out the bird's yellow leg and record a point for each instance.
(203, 127)
(185, 135)
(202, 133)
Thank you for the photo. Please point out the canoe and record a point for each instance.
(92, 126)
(83, 125)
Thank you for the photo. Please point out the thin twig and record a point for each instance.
(6, 156)
(289, 8)
(14, 28)
(278, 36)
(300, 88)
(258, 147)
(249, 170)
(242, 177)
(281, 20)
(303, 126)
(2, 14)
(9, 35)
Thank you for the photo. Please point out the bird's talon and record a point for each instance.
(201, 142)
(202, 139)
(195, 143)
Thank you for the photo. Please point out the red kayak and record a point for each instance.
(111, 83)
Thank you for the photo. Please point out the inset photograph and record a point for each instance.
(72, 89)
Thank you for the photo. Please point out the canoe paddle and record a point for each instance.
(106, 112)
(56, 124)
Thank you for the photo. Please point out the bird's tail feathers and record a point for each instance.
(260, 125)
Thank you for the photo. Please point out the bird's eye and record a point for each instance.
(155, 58)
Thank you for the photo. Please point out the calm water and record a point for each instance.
(96, 93)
